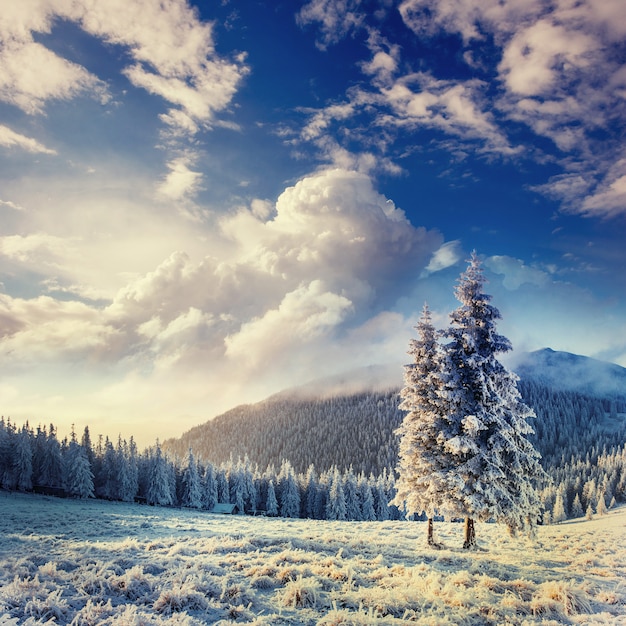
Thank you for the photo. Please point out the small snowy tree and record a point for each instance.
(336, 508)
(601, 506)
(577, 507)
(289, 492)
(558, 513)
(23, 461)
(159, 489)
(192, 492)
(79, 477)
(271, 505)
(210, 488)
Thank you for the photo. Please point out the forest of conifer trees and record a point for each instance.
(580, 437)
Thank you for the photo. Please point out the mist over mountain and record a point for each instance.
(351, 421)
(572, 372)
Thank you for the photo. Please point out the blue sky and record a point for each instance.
(204, 203)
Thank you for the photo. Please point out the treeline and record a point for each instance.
(331, 445)
(35, 460)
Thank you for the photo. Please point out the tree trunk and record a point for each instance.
(431, 540)
(470, 534)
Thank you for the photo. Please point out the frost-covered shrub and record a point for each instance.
(134, 583)
(93, 613)
(557, 597)
(53, 606)
(180, 597)
(301, 593)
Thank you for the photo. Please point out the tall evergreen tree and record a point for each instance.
(336, 508)
(159, 488)
(192, 492)
(271, 505)
(423, 465)
(23, 461)
(78, 474)
(494, 467)
(209, 488)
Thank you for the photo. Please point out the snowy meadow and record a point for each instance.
(88, 562)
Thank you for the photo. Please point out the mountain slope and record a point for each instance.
(358, 428)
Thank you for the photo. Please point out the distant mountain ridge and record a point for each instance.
(572, 372)
(579, 402)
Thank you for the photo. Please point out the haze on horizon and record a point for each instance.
(202, 204)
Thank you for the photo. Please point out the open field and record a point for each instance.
(91, 562)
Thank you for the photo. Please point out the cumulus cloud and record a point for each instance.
(10, 139)
(295, 280)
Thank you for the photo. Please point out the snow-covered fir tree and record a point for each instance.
(78, 474)
(423, 464)
(271, 504)
(159, 487)
(209, 484)
(601, 506)
(23, 461)
(577, 507)
(351, 493)
(289, 491)
(558, 512)
(336, 508)
(495, 467)
(192, 488)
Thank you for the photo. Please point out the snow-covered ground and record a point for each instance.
(90, 562)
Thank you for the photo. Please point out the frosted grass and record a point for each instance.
(93, 563)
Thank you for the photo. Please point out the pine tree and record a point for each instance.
(367, 500)
(336, 508)
(209, 488)
(310, 493)
(351, 493)
(289, 492)
(601, 506)
(558, 512)
(192, 492)
(159, 488)
(577, 507)
(79, 477)
(23, 461)
(423, 465)
(271, 505)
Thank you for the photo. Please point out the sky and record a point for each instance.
(204, 203)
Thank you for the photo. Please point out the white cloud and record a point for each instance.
(10, 139)
(30, 74)
(172, 51)
(447, 255)
(516, 273)
(336, 18)
(609, 198)
(535, 57)
(306, 314)
(181, 182)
